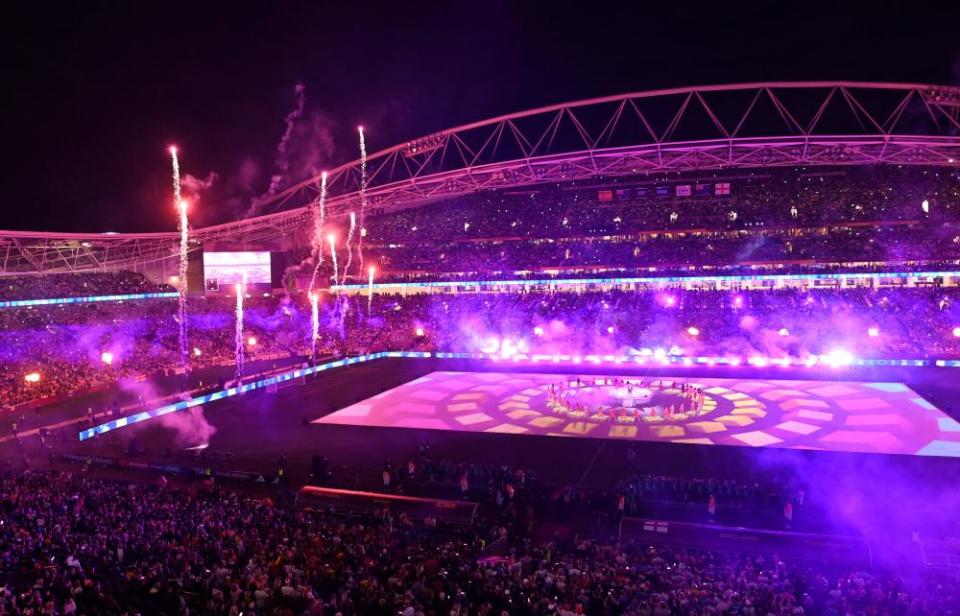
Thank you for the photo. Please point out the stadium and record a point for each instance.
(714, 327)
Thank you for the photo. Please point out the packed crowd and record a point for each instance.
(71, 544)
(731, 252)
(775, 198)
(902, 322)
(74, 285)
(783, 216)
(73, 348)
(882, 218)
(65, 344)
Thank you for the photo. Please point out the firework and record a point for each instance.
(363, 195)
(176, 174)
(184, 228)
(333, 255)
(314, 323)
(238, 338)
(353, 227)
(319, 215)
(323, 207)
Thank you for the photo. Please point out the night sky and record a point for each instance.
(94, 92)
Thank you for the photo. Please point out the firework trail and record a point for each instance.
(183, 225)
(314, 324)
(319, 216)
(176, 174)
(363, 194)
(282, 160)
(353, 227)
(238, 336)
(322, 208)
(333, 255)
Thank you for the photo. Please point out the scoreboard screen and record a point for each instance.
(229, 268)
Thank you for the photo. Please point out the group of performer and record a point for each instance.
(562, 398)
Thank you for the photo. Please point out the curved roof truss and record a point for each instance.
(752, 125)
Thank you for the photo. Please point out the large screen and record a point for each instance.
(229, 268)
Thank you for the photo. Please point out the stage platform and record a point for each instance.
(853, 417)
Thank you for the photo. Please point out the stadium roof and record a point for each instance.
(754, 125)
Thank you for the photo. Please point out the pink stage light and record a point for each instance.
(956, 332)
(252, 341)
(419, 332)
(784, 332)
(32, 377)
(693, 331)
(106, 357)
(873, 332)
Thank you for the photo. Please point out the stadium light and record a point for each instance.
(32, 377)
(873, 332)
(252, 341)
(693, 331)
(784, 332)
(837, 358)
(956, 332)
(106, 357)
(419, 332)
(538, 331)
(197, 352)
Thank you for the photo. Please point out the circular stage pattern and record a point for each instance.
(827, 415)
(625, 400)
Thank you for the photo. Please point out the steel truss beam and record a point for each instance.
(755, 125)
